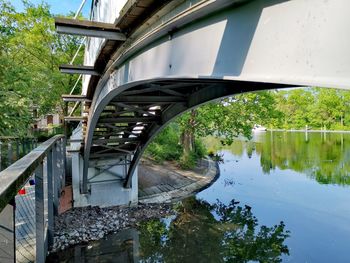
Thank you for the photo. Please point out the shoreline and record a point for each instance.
(323, 131)
(83, 225)
(192, 181)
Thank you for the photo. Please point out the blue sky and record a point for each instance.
(57, 6)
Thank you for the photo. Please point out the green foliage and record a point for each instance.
(315, 108)
(321, 156)
(30, 54)
(166, 145)
(188, 160)
(200, 150)
(232, 235)
(231, 117)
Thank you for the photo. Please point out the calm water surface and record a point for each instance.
(282, 197)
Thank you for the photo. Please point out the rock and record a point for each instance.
(100, 221)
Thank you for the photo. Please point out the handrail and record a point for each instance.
(14, 176)
(42, 173)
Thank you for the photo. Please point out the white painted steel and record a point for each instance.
(106, 11)
(300, 42)
(292, 42)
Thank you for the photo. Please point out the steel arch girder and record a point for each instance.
(211, 93)
(211, 90)
(280, 48)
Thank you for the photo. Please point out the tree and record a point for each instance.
(226, 119)
(232, 235)
(329, 108)
(29, 58)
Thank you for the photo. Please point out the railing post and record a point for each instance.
(26, 148)
(23, 147)
(50, 197)
(17, 149)
(63, 156)
(7, 233)
(55, 175)
(39, 215)
(0, 155)
(9, 153)
(59, 162)
(31, 144)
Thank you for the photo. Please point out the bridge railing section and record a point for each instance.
(29, 196)
(13, 148)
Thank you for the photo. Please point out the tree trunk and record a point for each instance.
(187, 136)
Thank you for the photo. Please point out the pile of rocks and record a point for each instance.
(81, 225)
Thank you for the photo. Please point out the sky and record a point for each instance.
(62, 7)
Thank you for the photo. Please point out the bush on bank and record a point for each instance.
(167, 147)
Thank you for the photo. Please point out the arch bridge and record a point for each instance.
(148, 61)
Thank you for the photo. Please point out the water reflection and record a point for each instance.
(322, 156)
(121, 247)
(212, 233)
(201, 232)
(295, 177)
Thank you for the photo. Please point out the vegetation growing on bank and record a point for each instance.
(226, 119)
(312, 108)
(316, 108)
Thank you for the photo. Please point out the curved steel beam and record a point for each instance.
(251, 43)
(209, 90)
(211, 93)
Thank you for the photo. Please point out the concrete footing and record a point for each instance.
(105, 177)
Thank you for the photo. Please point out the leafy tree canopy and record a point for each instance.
(30, 54)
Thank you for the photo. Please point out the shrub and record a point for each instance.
(188, 161)
(165, 146)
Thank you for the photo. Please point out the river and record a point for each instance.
(281, 197)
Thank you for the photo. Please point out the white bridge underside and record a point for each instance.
(300, 42)
(297, 43)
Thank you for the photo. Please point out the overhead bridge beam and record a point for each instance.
(149, 99)
(74, 98)
(143, 119)
(88, 28)
(74, 69)
(116, 140)
(74, 119)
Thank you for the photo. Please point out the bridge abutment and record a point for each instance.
(105, 180)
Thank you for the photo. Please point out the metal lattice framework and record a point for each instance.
(172, 56)
(130, 119)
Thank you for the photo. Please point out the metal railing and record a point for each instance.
(29, 196)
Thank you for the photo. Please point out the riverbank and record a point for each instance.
(166, 183)
(294, 130)
(82, 225)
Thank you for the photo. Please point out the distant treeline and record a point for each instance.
(314, 108)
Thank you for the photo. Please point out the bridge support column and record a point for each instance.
(105, 180)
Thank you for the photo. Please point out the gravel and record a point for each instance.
(81, 225)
